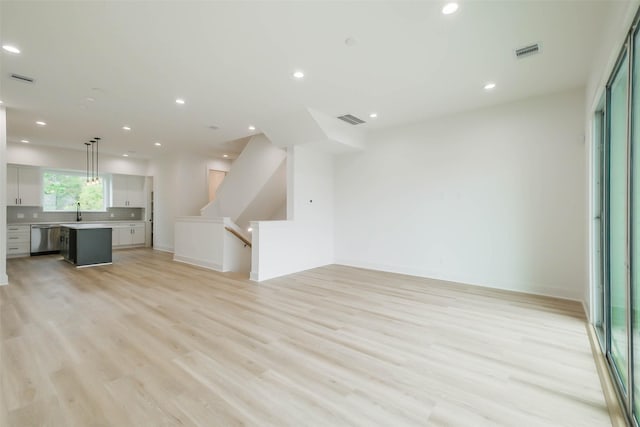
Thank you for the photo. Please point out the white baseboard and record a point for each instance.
(198, 262)
(163, 249)
(465, 280)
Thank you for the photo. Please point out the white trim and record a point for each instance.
(167, 249)
(410, 271)
(200, 219)
(198, 263)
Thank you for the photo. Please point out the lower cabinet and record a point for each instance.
(18, 240)
(132, 234)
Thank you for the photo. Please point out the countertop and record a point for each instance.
(115, 223)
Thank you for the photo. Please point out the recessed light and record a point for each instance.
(157, 144)
(225, 156)
(126, 128)
(252, 127)
(40, 123)
(24, 141)
(373, 115)
(250, 229)
(298, 74)
(449, 8)
(10, 48)
(180, 101)
(489, 86)
(90, 99)
(125, 155)
(1, 102)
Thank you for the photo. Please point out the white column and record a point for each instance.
(4, 280)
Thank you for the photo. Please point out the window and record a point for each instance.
(62, 190)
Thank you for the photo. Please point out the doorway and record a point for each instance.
(215, 179)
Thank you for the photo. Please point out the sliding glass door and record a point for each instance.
(617, 220)
(634, 201)
(616, 226)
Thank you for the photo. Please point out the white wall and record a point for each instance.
(494, 197)
(306, 240)
(3, 196)
(205, 242)
(180, 189)
(61, 158)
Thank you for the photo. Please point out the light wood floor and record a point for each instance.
(150, 342)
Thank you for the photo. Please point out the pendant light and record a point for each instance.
(93, 164)
(97, 139)
(92, 160)
(87, 144)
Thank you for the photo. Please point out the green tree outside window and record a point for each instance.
(62, 192)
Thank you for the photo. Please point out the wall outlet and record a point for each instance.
(111, 215)
(35, 214)
(20, 215)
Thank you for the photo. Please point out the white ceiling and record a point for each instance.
(232, 63)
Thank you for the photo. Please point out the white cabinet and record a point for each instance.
(18, 240)
(24, 186)
(132, 234)
(127, 191)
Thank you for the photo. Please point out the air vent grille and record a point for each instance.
(24, 79)
(528, 50)
(351, 119)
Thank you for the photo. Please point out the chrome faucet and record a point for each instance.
(78, 213)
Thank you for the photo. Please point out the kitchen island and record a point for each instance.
(86, 244)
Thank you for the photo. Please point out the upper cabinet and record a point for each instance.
(127, 191)
(24, 186)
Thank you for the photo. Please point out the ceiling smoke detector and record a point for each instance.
(525, 51)
(351, 119)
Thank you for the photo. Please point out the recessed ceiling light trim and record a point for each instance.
(10, 48)
(127, 128)
(25, 141)
(298, 74)
(373, 115)
(180, 101)
(252, 128)
(157, 144)
(41, 123)
(489, 86)
(449, 8)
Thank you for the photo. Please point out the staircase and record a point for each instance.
(255, 189)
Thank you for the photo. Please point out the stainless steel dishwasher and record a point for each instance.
(45, 239)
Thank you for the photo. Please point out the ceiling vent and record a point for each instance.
(525, 51)
(352, 120)
(23, 79)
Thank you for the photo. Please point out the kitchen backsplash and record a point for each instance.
(24, 214)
